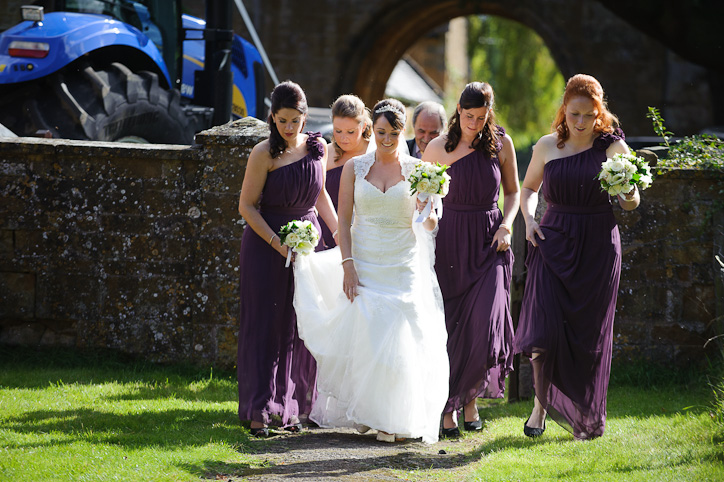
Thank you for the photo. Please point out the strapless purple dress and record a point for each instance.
(475, 282)
(332, 185)
(276, 373)
(569, 301)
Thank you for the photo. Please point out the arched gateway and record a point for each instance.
(341, 46)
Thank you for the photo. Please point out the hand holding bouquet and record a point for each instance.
(621, 173)
(300, 236)
(430, 181)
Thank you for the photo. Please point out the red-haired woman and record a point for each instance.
(473, 258)
(574, 264)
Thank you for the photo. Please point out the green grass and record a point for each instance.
(98, 417)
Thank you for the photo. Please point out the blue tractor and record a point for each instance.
(115, 70)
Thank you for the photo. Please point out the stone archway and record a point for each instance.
(348, 46)
(374, 56)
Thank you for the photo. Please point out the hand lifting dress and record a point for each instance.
(570, 294)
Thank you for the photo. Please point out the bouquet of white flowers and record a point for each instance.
(621, 173)
(301, 237)
(430, 181)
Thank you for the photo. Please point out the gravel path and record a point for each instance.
(345, 455)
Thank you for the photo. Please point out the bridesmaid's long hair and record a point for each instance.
(474, 96)
(393, 110)
(585, 86)
(350, 106)
(286, 95)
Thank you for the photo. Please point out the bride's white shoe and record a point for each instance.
(385, 437)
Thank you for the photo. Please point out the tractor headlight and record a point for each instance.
(32, 13)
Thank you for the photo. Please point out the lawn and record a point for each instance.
(87, 417)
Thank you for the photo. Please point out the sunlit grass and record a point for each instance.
(96, 419)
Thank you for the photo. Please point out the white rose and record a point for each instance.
(615, 189)
(444, 189)
(617, 178)
(645, 181)
(292, 239)
(304, 247)
(423, 186)
(617, 166)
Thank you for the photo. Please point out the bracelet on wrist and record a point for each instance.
(335, 233)
(506, 227)
(272, 239)
(346, 259)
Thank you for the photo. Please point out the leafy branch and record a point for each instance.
(658, 123)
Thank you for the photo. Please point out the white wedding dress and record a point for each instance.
(381, 360)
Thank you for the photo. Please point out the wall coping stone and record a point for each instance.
(247, 131)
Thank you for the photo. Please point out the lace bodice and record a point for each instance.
(394, 207)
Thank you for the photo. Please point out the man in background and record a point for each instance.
(428, 122)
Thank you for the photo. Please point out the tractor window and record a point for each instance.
(127, 11)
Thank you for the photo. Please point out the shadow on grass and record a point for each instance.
(367, 456)
(167, 428)
(35, 368)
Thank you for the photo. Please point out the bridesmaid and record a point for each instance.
(473, 258)
(352, 130)
(574, 264)
(284, 180)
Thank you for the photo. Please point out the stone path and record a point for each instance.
(345, 455)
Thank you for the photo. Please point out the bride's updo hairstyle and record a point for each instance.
(286, 95)
(474, 96)
(350, 106)
(585, 86)
(392, 110)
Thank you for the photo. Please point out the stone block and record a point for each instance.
(7, 244)
(699, 303)
(676, 334)
(17, 295)
(59, 333)
(13, 332)
(651, 302)
(227, 345)
(65, 295)
(627, 331)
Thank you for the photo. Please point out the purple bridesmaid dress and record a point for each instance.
(570, 293)
(332, 185)
(475, 282)
(276, 373)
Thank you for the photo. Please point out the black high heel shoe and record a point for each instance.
(261, 432)
(295, 428)
(533, 432)
(473, 426)
(452, 432)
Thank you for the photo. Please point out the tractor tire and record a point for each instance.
(109, 104)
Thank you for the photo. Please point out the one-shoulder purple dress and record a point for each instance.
(570, 293)
(475, 282)
(332, 185)
(276, 373)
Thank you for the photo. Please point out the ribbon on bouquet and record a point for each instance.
(435, 202)
(289, 256)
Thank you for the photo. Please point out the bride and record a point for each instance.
(380, 342)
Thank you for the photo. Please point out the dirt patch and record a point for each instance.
(345, 455)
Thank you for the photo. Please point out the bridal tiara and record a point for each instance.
(390, 108)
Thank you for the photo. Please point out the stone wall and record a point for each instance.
(129, 247)
(135, 248)
(667, 303)
(670, 296)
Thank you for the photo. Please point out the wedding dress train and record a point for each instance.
(382, 359)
